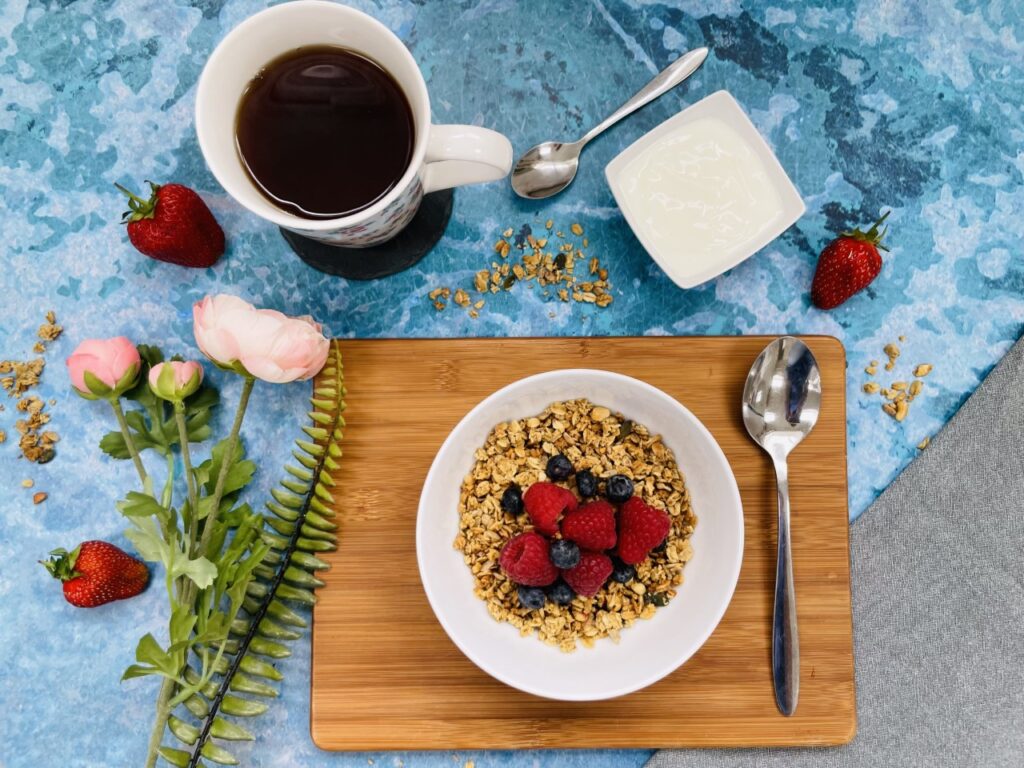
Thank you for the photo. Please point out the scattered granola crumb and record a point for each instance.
(871, 370)
(922, 370)
(40, 497)
(915, 388)
(871, 387)
(469, 764)
(892, 352)
(576, 229)
(902, 339)
(27, 482)
(3, 436)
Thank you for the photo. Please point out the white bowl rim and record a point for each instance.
(456, 634)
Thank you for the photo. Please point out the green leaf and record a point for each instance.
(218, 754)
(176, 757)
(225, 729)
(200, 570)
(138, 504)
(149, 652)
(185, 732)
(239, 474)
(148, 541)
(239, 707)
(138, 670)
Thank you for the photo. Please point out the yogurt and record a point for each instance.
(703, 191)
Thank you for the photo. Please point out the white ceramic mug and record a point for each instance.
(443, 155)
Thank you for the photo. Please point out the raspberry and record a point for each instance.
(592, 526)
(546, 503)
(641, 529)
(589, 576)
(525, 559)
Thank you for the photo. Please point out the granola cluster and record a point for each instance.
(606, 443)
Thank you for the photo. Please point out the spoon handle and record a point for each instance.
(785, 639)
(667, 79)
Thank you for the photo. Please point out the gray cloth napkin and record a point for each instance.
(938, 605)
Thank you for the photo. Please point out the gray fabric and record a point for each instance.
(938, 605)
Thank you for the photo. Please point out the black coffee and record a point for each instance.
(324, 132)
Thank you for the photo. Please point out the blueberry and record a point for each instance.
(532, 598)
(559, 467)
(560, 593)
(621, 572)
(512, 500)
(586, 483)
(618, 489)
(564, 554)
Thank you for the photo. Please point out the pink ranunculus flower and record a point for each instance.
(104, 367)
(259, 342)
(175, 380)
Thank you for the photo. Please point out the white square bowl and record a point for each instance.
(723, 107)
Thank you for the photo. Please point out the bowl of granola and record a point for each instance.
(579, 534)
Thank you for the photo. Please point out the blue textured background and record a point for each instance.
(913, 105)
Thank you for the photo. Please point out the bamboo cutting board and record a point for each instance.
(386, 676)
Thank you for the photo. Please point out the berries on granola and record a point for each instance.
(641, 529)
(559, 467)
(592, 526)
(586, 483)
(546, 503)
(618, 489)
(526, 560)
(512, 501)
(532, 598)
(590, 574)
(564, 554)
(621, 572)
(560, 593)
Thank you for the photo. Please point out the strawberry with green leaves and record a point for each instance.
(95, 572)
(173, 225)
(848, 265)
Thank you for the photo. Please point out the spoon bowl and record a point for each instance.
(546, 169)
(782, 396)
(781, 401)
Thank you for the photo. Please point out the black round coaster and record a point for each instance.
(397, 254)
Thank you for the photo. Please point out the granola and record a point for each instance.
(606, 443)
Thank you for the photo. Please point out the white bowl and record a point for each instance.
(648, 650)
(710, 199)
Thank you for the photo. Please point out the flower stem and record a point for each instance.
(186, 459)
(163, 711)
(115, 404)
(226, 464)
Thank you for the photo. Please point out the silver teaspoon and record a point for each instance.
(781, 400)
(548, 168)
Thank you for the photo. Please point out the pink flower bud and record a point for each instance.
(175, 379)
(104, 367)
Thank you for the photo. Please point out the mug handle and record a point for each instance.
(464, 154)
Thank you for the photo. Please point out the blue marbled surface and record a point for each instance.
(910, 105)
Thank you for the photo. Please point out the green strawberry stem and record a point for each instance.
(140, 208)
(115, 404)
(61, 564)
(873, 235)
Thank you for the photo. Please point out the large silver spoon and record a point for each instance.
(781, 400)
(548, 168)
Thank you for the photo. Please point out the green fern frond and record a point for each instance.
(299, 525)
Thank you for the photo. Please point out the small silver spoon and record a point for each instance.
(548, 168)
(781, 400)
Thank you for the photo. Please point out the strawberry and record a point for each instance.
(641, 529)
(592, 526)
(96, 572)
(525, 559)
(174, 225)
(848, 265)
(590, 573)
(546, 503)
